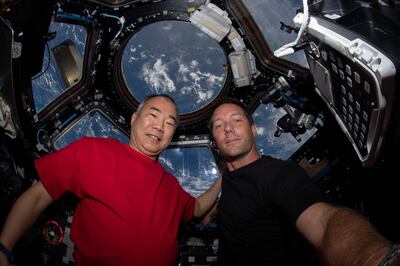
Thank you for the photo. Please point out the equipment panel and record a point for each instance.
(356, 80)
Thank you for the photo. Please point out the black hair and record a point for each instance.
(166, 96)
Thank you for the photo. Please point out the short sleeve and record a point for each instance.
(189, 204)
(59, 171)
(292, 191)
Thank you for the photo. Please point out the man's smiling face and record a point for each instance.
(153, 126)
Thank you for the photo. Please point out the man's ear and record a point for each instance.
(254, 129)
(133, 117)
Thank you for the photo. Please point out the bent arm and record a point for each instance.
(209, 215)
(341, 236)
(24, 213)
(207, 199)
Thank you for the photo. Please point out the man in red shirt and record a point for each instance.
(130, 207)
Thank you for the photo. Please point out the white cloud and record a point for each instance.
(194, 63)
(200, 34)
(143, 55)
(166, 162)
(167, 27)
(213, 79)
(185, 90)
(132, 59)
(183, 70)
(195, 77)
(157, 77)
(177, 151)
(202, 96)
(260, 131)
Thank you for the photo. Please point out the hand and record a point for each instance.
(208, 217)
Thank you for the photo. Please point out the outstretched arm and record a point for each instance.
(207, 199)
(341, 236)
(23, 214)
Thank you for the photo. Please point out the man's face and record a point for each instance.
(232, 131)
(153, 127)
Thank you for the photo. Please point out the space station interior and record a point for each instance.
(320, 78)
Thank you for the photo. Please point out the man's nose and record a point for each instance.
(228, 127)
(159, 125)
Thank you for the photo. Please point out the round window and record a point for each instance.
(174, 58)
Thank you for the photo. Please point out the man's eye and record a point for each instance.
(172, 124)
(237, 119)
(152, 115)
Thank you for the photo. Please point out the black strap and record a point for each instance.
(391, 256)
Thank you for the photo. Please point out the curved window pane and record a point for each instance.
(174, 58)
(64, 69)
(265, 118)
(194, 168)
(268, 15)
(94, 124)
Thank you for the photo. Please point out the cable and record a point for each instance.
(287, 49)
(121, 21)
(48, 63)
